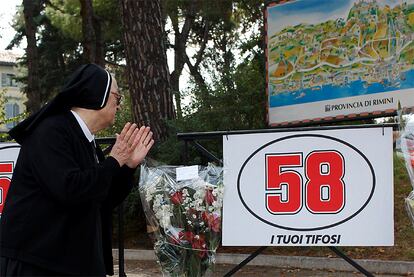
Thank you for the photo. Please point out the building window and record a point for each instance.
(7, 80)
(12, 110)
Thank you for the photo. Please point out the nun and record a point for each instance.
(57, 215)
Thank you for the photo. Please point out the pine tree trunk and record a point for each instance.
(30, 11)
(88, 31)
(147, 67)
(100, 43)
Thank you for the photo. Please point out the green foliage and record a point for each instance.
(59, 40)
(240, 108)
(2, 105)
(3, 119)
(65, 16)
(3, 136)
(233, 97)
(58, 53)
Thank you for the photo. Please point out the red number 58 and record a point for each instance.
(5, 168)
(323, 191)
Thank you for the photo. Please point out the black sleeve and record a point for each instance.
(121, 186)
(59, 174)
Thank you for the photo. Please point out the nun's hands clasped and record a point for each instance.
(132, 145)
(142, 144)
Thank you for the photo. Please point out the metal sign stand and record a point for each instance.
(193, 137)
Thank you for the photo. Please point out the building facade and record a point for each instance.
(10, 90)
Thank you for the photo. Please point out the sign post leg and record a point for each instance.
(351, 261)
(245, 261)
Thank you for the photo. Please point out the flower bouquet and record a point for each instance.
(184, 217)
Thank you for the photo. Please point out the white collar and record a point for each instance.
(83, 126)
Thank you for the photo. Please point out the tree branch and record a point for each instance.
(203, 45)
(195, 73)
(49, 3)
(188, 23)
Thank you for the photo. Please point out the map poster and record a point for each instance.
(336, 60)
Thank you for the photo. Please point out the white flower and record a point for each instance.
(198, 204)
(163, 214)
(199, 194)
(150, 191)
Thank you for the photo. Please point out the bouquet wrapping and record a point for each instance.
(407, 148)
(184, 217)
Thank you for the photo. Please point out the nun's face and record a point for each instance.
(113, 104)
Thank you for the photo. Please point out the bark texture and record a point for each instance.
(93, 44)
(31, 10)
(148, 74)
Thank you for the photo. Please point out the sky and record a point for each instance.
(7, 11)
(312, 12)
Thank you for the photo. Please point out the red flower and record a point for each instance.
(188, 236)
(177, 198)
(204, 216)
(212, 221)
(209, 198)
(199, 243)
(174, 240)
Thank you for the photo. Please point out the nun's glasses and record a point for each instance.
(118, 98)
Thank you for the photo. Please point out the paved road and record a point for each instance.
(135, 268)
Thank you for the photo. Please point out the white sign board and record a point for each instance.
(8, 157)
(331, 187)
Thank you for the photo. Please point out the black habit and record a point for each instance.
(58, 210)
(57, 213)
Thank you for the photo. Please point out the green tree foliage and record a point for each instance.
(227, 69)
(220, 43)
(233, 27)
(65, 16)
(242, 107)
(2, 112)
(2, 107)
(59, 40)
